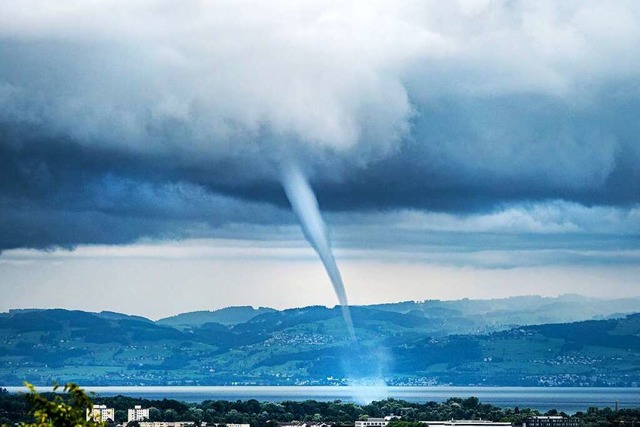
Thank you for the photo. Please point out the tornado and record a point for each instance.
(305, 206)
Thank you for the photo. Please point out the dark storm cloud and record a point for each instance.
(470, 154)
(62, 193)
(153, 120)
(72, 195)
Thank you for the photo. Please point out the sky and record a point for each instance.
(457, 149)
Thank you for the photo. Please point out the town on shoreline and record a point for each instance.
(126, 411)
(140, 417)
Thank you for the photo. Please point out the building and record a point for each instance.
(185, 424)
(551, 421)
(297, 424)
(137, 414)
(374, 422)
(100, 413)
(382, 422)
(465, 423)
(167, 423)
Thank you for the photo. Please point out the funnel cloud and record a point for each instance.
(305, 205)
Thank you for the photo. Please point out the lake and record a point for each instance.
(567, 399)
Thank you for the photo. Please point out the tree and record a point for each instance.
(193, 414)
(470, 403)
(57, 412)
(155, 414)
(169, 415)
(121, 416)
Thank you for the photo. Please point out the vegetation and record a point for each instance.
(69, 410)
(52, 410)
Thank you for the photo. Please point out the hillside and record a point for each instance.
(224, 316)
(516, 311)
(309, 346)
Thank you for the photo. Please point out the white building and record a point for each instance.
(382, 422)
(373, 422)
(100, 413)
(466, 423)
(185, 424)
(551, 421)
(291, 424)
(137, 414)
(167, 423)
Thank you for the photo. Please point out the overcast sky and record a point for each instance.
(457, 149)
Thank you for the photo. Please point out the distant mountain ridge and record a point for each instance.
(479, 342)
(224, 316)
(523, 309)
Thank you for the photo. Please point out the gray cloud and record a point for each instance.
(121, 120)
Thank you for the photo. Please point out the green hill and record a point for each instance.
(224, 316)
(411, 343)
(495, 314)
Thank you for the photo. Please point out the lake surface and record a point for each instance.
(568, 399)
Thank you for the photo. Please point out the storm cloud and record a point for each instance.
(123, 120)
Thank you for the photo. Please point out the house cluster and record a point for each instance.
(100, 413)
(540, 421)
(185, 424)
(383, 422)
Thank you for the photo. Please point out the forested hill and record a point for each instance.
(458, 342)
(225, 316)
(457, 316)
